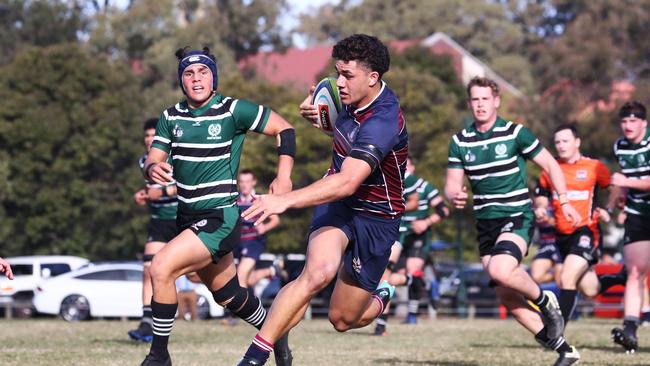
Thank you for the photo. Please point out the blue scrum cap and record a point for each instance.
(198, 57)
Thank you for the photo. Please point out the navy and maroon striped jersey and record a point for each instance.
(248, 230)
(376, 130)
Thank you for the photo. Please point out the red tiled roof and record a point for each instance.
(296, 66)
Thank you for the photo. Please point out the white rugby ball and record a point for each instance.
(327, 99)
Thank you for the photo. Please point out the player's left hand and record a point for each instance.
(265, 206)
(619, 180)
(571, 215)
(419, 226)
(280, 186)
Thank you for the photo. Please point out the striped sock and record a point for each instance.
(259, 350)
(163, 321)
(258, 316)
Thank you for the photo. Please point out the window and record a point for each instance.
(22, 269)
(55, 268)
(132, 275)
(108, 275)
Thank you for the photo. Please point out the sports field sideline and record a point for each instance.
(443, 342)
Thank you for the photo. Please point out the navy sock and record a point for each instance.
(259, 349)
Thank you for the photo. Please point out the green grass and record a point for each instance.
(432, 342)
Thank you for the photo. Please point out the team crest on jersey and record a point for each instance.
(640, 159)
(584, 242)
(581, 174)
(199, 224)
(178, 131)
(621, 162)
(214, 130)
(469, 157)
(501, 150)
(507, 227)
(356, 264)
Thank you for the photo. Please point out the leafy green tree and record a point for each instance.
(37, 23)
(70, 134)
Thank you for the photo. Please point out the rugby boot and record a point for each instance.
(144, 333)
(384, 293)
(552, 316)
(282, 352)
(153, 360)
(410, 319)
(247, 361)
(568, 358)
(626, 339)
(380, 331)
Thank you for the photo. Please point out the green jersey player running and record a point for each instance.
(633, 153)
(204, 136)
(492, 152)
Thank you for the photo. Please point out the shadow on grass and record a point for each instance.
(122, 342)
(492, 345)
(395, 360)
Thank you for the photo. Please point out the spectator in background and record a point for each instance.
(6, 269)
(187, 297)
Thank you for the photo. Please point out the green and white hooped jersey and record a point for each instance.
(495, 163)
(205, 146)
(426, 193)
(164, 208)
(634, 160)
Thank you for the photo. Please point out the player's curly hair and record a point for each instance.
(365, 49)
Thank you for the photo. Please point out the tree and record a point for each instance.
(485, 28)
(23, 24)
(69, 141)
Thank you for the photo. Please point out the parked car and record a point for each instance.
(480, 295)
(109, 289)
(28, 272)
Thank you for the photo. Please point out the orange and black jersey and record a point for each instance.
(583, 178)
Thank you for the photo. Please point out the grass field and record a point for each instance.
(432, 342)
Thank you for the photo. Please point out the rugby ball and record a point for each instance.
(326, 98)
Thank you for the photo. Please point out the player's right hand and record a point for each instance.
(540, 214)
(6, 268)
(461, 199)
(309, 111)
(571, 215)
(161, 173)
(140, 197)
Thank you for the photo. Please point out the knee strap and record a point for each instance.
(147, 257)
(228, 293)
(241, 302)
(507, 247)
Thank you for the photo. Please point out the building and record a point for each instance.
(300, 68)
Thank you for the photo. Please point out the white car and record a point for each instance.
(110, 289)
(28, 272)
